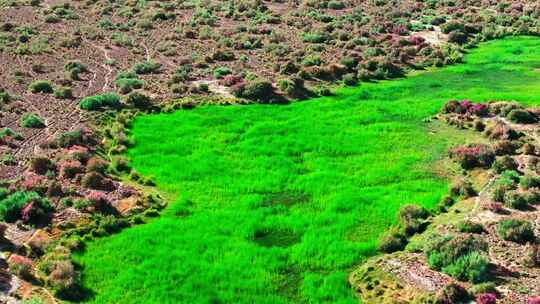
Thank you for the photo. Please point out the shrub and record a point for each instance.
(445, 204)
(21, 266)
(70, 168)
(99, 102)
(463, 188)
(146, 67)
(521, 116)
(471, 267)
(41, 165)
(258, 90)
(533, 300)
(96, 181)
(139, 101)
(392, 241)
(33, 121)
(450, 294)
(63, 93)
(470, 227)
(11, 207)
(293, 87)
(486, 298)
(96, 164)
(460, 256)
(531, 257)
(126, 85)
(473, 156)
(516, 200)
(505, 147)
(487, 287)
(504, 163)
(458, 37)
(412, 218)
(220, 72)
(69, 139)
(41, 86)
(350, 79)
(518, 231)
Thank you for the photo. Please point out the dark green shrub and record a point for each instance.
(258, 90)
(392, 241)
(521, 116)
(63, 93)
(461, 257)
(68, 139)
(33, 121)
(350, 79)
(458, 37)
(139, 101)
(412, 218)
(99, 102)
(472, 267)
(516, 200)
(41, 165)
(463, 188)
(452, 26)
(445, 204)
(504, 163)
(128, 81)
(518, 231)
(487, 287)
(220, 72)
(41, 86)
(74, 68)
(147, 67)
(293, 87)
(470, 227)
(29, 206)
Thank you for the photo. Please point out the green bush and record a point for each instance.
(63, 93)
(504, 163)
(258, 90)
(139, 101)
(147, 67)
(516, 200)
(220, 72)
(461, 257)
(33, 121)
(518, 231)
(99, 102)
(392, 241)
(11, 207)
(521, 116)
(472, 267)
(41, 86)
(350, 79)
(470, 227)
(128, 81)
(412, 218)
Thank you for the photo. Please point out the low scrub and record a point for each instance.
(518, 231)
(462, 257)
(100, 102)
(473, 156)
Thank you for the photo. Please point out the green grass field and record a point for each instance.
(276, 204)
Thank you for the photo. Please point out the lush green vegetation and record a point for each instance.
(277, 203)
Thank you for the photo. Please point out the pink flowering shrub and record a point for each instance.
(34, 182)
(20, 265)
(473, 156)
(231, 80)
(417, 40)
(99, 200)
(69, 168)
(465, 107)
(494, 207)
(486, 298)
(533, 300)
